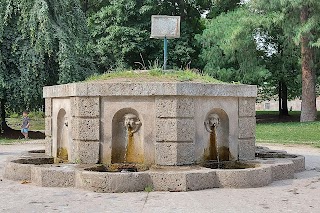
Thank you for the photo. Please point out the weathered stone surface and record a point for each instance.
(85, 129)
(17, 172)
(113, 182)
(149, 89)
(255, 177)
(175, 130)
(283, 170)
(247, 127)
(169, 154)
(201, 179)
(299, 163)
(62, 176)
(247, 107)
(247, 149)
(48, 146)
(85, 107)
(86, 152)
(48, 126)
(169, 181)
(174, 107)
(48, 107)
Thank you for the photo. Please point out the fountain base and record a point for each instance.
(41, 171)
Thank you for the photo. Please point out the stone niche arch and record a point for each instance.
(217, 126)
(63, 146)
(127, 137)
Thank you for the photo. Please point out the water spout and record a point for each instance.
(210, 124)
(132, 125)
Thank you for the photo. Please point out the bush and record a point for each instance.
(36, 115)
(14, 115)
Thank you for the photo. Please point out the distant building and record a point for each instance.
(273, 105)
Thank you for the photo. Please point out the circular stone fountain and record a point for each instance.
(114, 136)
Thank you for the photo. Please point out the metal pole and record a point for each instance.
(165, 53)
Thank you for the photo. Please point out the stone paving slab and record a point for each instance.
(298, 195)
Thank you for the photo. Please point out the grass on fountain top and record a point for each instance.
(155, 75)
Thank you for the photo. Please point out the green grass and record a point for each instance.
(157, 75)
(289, 133)
(35, 123)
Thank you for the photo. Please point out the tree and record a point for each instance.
(42, 43)
(300, 21)
(257, 43)
(121, 33)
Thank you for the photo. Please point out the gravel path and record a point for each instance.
(301, 194)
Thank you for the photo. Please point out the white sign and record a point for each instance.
(165, 26)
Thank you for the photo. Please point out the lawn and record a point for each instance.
(36, 124)
(288, 132)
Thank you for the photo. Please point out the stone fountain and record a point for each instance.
(172, 136)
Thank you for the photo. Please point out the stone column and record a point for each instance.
(175, 130)
(85, 124)
(48, 126)
(247, 128)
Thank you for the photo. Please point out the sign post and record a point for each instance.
(165, 27)
(165, 53)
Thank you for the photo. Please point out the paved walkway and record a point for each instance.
(301, 194)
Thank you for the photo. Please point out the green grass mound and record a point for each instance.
(155, 75)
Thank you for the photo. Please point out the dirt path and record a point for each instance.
(301, 194)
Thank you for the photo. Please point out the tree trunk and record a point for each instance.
(285, 111)
(4, 125)
(283, 99)
(308, 105)
(280, 98)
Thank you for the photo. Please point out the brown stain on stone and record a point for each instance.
(133, 154)
(62, 155)
(211, 152)
(224, 153)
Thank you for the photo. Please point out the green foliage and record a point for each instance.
(256, 43)
(121, 32)
(14, 115)
(42, 43)
(148, 189)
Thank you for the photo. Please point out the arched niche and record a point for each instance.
(127, 137)
(217, 126)
(62, 136)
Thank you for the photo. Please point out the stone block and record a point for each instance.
(299, 163)
(17, 172)
(48, 107)
(112, 182)
(48, 146)
(169, 181)
(247, 149)
(149, 89)
(85, 107)
(66, 90)
(175, 130)
(62, 176)
(247, 107)
(200, 180)
(48, 126)
(247, 127)
(213, 90)
(85, 129)
(170, 154)
(86, 152)
(174, 107)
(282, 171)
(244, 178)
